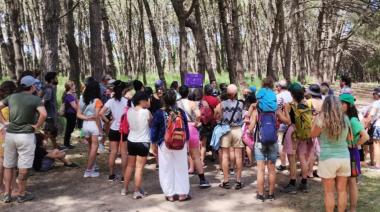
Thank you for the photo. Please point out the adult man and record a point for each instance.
(283, 97)
(20, 139)
(231, 113)
(345, 85)
(373, 123)
(50, 102)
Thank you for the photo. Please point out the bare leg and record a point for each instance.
(124, 155)
(232, 158)
(292, 166)
(140, 163)
(372, 153)
(190, 160)
(304, 166)
(249, 155)
(2, 188)
(376, 153)
(329, 188)
(238, 152)
(114, 146)
(220, 158)
(203, 150)
(272, 176)
(196, 160)
(93, 145)
(225, 163)
(8, 178)
(22, 178)
(353, 188)
(341, 187)
(128, 171)
(260, 177)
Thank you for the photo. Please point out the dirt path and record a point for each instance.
(63, 189)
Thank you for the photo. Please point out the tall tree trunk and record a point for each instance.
(7, 56)
(74, 73)
(96, 51)
(50, 28)
(155, 43)
(30, 34)
(110, 64)
(13, 10)
(142, 50)
(238, 59)
(271, 72)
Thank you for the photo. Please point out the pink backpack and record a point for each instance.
(247, 137)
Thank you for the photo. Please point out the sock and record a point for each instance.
(201, 176)
(292, 182)
(304, 181)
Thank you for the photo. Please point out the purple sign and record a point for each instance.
(194, 80)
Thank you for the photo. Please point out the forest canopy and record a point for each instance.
(290, 39)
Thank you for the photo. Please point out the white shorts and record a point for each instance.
(19, 150)
(334, 167)
(90, 129)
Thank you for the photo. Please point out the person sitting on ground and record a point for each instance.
(139, 118)
(173, 171)
(44, 159)
(360, 136)
(50, 101)
(231, 113)
(194, 117)
(267, 101)
(332, 127)
(345, 84)
(19, 147)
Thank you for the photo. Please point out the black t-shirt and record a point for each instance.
(155, 104)
(39, 155)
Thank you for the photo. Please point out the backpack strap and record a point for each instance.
(233, 114)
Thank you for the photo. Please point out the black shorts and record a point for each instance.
(114, 135)
(138, 149)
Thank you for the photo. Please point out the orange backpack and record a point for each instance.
(175, 134)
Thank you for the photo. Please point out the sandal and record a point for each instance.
(238, 185)
(169, 199)
(187, 198)
(225, 185)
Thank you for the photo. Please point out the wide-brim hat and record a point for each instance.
(314, 90)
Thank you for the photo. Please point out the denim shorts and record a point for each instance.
(266, 152)
(376, 133)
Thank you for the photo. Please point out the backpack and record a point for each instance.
(303, 115)
(124, 125)
(266, 129)
(175, 135)
(207, 114)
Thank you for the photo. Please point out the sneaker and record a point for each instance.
(27, 197)
(7, 198)
(101, 149)
(270, 197)
(303, 187)
(260, 197)
(204, 184)
(71, 165)
(95, 168)
(138, 195)
(124, 192)
(87, 173)
(95, 174)
(290, 189)
(232, 172)
(112, 177)
(69, 146)
(281, 168)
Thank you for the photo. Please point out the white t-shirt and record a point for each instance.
(375, 112)
(117, 109)
(284, 97)
(139, 131)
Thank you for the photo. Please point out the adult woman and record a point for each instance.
(332, 127)
(138, 142)
(193, 116)
(88, 110)
(116, 105)
(360, 136)
(69, 99)
(173, 172)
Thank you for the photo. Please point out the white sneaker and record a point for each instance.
(87, 174)
(124, 192)
(95, 174)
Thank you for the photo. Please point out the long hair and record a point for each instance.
(7, 88)
(91, 92)
(352, 112)
(68, 85)
(333, 117)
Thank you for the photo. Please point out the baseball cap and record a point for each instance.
(28, 81)
(253, 89)
(346, 97)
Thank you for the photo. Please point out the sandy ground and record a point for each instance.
(64, 189)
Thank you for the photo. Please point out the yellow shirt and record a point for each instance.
(5, 112)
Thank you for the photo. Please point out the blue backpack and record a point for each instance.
(266, 131)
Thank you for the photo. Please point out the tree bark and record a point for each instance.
(109, 61)
(50, 28)
(155, 43)
(238, 58)
(7, 56)
(13, 10)
(96, 51)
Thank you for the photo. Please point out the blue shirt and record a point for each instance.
(158, 128)
(267, 100)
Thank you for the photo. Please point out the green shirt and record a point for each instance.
(22, 112)
(333, 148)
(356, 127)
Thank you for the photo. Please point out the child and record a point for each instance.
(44, 159)
(267, 101)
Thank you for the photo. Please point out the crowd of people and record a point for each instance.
(312, 126)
